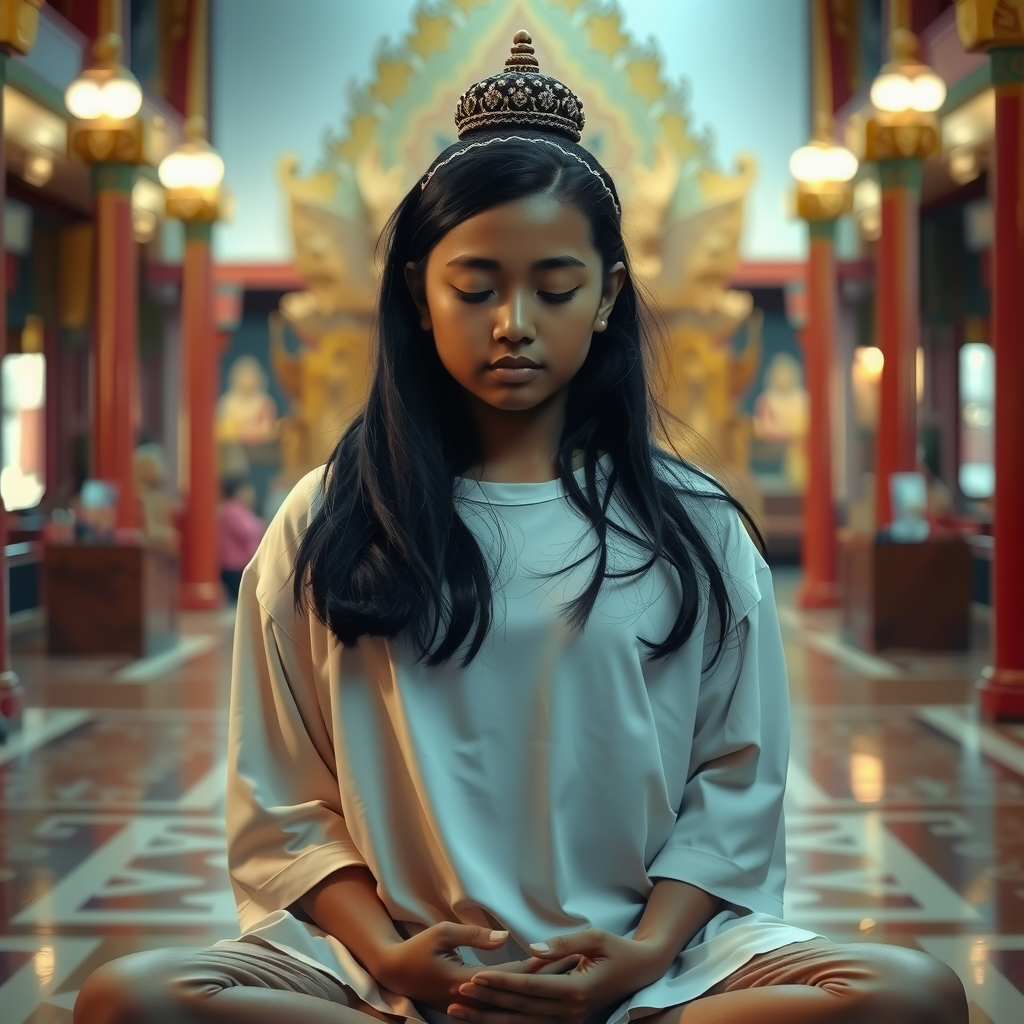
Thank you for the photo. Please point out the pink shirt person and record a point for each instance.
(241, 530)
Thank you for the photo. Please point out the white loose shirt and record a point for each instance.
(543, 789)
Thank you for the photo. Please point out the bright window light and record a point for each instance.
(23, 475)
(976, 475)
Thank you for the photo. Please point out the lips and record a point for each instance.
(515, 363)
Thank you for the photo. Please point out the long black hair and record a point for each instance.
(386, 549)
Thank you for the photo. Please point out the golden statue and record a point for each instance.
(246, 414)
(326, 383)
(149, 469)
(782, 416)
(703, 378)
(682, 217)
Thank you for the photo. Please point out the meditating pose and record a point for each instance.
(509, 713)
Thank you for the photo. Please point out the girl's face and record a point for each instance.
(520, 280)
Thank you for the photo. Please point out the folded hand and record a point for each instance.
(609, 969)
(428, 969)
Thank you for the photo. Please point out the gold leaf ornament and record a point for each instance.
(100, 143)
(906, 138)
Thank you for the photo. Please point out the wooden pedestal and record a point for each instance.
(110, 599)
(906, 596)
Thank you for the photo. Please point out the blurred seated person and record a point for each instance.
(240, 531)
(95, 512)
(158, 508)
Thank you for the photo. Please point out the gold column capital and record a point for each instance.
(825, 200)
(898, 138)
(106, 140)
(989, 24)
(193, 205)
(19, 24)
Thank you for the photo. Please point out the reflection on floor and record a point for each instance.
(906, 817)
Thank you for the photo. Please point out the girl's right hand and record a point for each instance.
(428, 969)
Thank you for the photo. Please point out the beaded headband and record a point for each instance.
(522, 138)
(521, 97)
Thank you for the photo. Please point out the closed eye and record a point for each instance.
(555, 298)
(558, 297)
(472, 296)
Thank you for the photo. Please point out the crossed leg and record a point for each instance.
(820, 982)
(815, 982)
(238, 983)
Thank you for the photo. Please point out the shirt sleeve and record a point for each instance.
(286, 829)
(729, 838)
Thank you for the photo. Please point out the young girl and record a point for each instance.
(509, 717)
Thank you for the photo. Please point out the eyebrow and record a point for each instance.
(482, 263)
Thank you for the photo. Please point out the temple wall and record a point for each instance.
(278, 83)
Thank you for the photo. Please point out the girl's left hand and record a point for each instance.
(610, 969)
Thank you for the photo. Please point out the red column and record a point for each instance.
(1002, 687)
(115, 352)
(898, 327)
(11, 690)
(819, 586)
(200, 569)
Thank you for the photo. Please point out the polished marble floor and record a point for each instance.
(906, 815)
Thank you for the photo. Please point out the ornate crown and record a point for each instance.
(520, 96)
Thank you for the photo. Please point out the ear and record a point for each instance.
(415, 274)
(613, 282)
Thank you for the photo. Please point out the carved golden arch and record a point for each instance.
(681, 215)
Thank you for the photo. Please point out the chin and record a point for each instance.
(513, 403)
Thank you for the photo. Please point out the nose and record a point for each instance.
(513, 319)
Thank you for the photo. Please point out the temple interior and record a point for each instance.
(822, 197)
